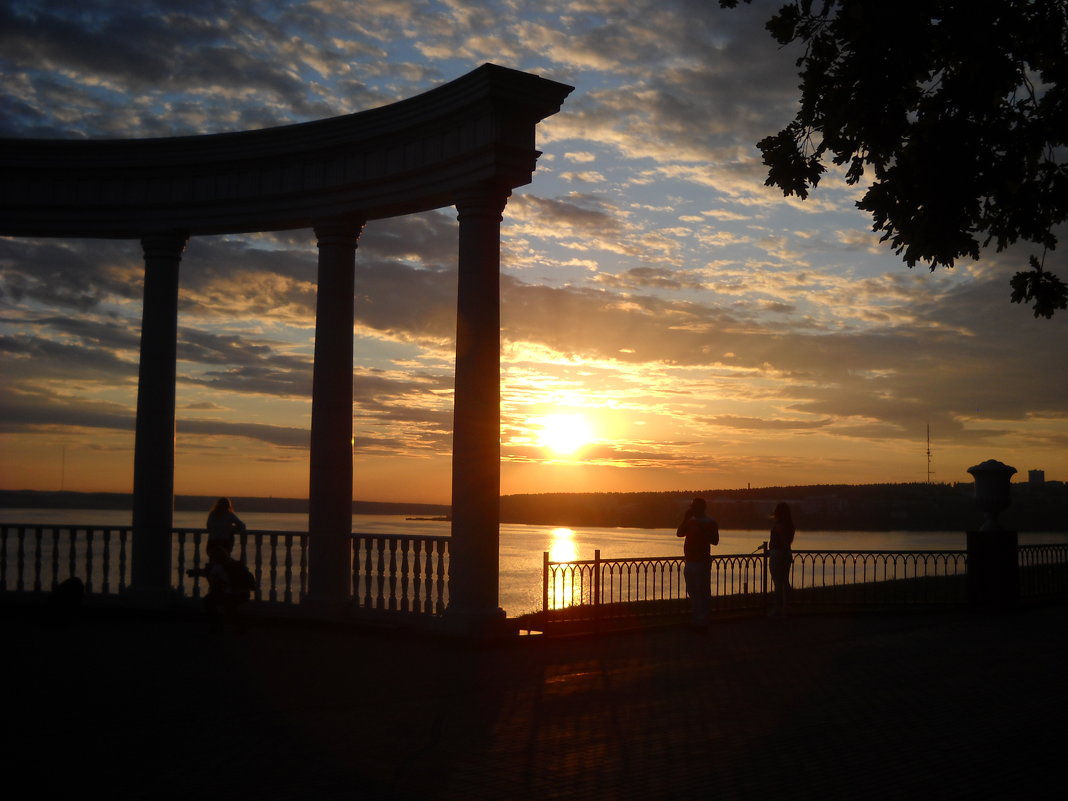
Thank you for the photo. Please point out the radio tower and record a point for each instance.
(928, 453)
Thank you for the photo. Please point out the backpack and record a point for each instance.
(242, 582)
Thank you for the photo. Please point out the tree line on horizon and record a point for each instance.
(844, 507)
(828, 507)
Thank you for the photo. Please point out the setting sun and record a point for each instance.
(563, 434)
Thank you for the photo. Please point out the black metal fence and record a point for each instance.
(408, 575)
(604, 589)
(1043, 570)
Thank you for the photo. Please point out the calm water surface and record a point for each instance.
(522, 546)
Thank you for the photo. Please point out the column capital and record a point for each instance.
(338, 230)
(164, 244)
(482, 200)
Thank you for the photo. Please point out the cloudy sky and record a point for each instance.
(677, 323)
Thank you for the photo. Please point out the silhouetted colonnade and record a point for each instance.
(466, 144)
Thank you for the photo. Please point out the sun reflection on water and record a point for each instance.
(562, 548)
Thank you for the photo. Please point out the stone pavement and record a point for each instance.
(867, 705)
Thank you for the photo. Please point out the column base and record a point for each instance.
(993, 576)
(319, 608)
(480, 624)
(153, 599)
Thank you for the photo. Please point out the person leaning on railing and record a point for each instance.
(223, 525)
(229, 581)
(701, 533)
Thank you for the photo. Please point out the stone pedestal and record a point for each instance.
(992, 490)
(993, 578)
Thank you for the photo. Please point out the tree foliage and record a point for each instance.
(954, 110)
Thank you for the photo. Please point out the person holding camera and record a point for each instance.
(701, 533)
(780, 557)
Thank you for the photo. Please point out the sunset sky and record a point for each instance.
(682, 325)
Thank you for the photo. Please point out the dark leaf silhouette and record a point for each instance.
(1046, 291)
(956, 113)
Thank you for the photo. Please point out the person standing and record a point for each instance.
(701, 533)
(780, 557)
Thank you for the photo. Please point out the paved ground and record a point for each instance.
(858, 706)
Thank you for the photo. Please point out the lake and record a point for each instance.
(522, 546)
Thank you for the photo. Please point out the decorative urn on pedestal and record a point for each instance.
(992, 490)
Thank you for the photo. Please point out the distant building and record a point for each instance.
(1036, 477)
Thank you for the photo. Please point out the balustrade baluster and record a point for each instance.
(303, 565)
(88, 559)
(380, 574)
(55, 558)
(105, 568)
(417, 576)
(72, 555)
(258, 561)
(418, 601)
(365, 579)
(3, 558)
(441, 550)
(20, 555)
(405, 543)
(427, 578)
(272, 540)
(38, 536)
(288, 596)
(182, 578)
(199, 537)
(122, 559)
(357, 580)
(392, 604)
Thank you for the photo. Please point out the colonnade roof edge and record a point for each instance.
(409, 156)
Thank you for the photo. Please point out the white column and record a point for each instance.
(153, 485)
(474, 562)
(330, 478)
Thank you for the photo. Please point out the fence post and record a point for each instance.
(597, 578)
(764, 571)
(545, 582)
(597, 588)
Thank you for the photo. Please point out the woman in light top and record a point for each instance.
(780, 557)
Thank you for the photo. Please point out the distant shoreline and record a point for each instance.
(842, 507)
(42, 499)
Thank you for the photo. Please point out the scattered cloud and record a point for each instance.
(716, 328)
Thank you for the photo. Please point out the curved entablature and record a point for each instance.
(410, 156)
